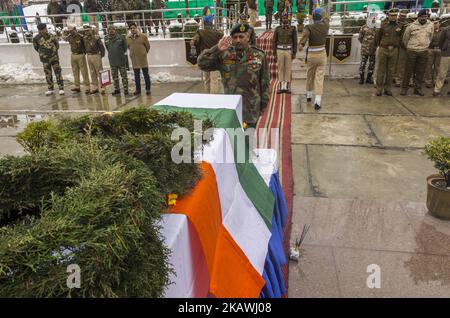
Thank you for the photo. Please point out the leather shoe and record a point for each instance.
(418, 92)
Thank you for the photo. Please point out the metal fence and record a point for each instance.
(146, 20)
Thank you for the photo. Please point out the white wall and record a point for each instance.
(166, 55)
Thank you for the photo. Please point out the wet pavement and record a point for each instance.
(360, 183)
(359, 173)
(21, 104)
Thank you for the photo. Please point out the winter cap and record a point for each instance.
(422, 12)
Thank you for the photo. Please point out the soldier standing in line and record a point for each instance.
(104, 6)
(387, 38)
(367, 39)
(54, 8)
(78, 59)
(116, 45)
(243, 19)
(47, 46)
(268, 6)
(205, 39)
(301, 15)
(444, 67)
(116, 6)
(401, 56)
(157, 17)
(434, 56)
(282, 7)
(417, 38)
(95, 52)
(244, 71)
(316, 34)
(92, 7)
(252, 11)
(285, 49)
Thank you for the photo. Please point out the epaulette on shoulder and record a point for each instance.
(257, 49)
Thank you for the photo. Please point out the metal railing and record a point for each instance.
(145, 20)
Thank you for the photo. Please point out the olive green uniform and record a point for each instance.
(117, 56)
(47, 46)
(268, 6)
(245, 75)
(285, 49)
(387, 39)
(434, 60)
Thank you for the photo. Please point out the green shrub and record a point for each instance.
(105, 223)
(438, 151)
(91, 192)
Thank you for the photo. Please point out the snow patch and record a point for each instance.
(19, 73)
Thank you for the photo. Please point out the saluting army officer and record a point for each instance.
(244, 71)
(285, 49)
(78, 59)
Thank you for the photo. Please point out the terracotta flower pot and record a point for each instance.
(438, 198)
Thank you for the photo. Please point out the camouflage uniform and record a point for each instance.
(301, 15)
(118, 5)
(367, 40)
(117, 49)
(268, 6)
(47, 46)
(247, 76)
(388, 38)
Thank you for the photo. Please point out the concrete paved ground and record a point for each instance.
(20, 104)
(359, 173)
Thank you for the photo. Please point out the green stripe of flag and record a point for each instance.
(249, 177)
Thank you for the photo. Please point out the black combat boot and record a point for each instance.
(418, 91)
(369, 79)
(361, 78)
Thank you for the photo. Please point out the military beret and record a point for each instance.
(422, 12)
(41, 26)
(240, 28)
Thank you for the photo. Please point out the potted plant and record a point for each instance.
(438, 194)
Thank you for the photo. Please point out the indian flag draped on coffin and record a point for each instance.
(231, 208)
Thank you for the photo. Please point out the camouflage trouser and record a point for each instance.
(48, 66)
(115, 70)
(362, 65)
